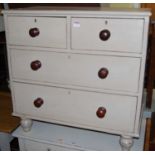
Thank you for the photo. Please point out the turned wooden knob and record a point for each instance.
(33, 32)
(38, 102)
(103, 73)
(35, 65)
(104, 35)
(101, 111)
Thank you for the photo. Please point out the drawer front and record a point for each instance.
(121, 73)
(107, 34)
(38, 146)
(37, 31)
(78, 108)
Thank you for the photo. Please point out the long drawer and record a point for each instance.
(29, 145)
(101, 72)
(74, 107)
(37, 31)
(110, 34)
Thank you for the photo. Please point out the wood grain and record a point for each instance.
(152, 133)
(151, 6)
(7, 122)
(147, 135)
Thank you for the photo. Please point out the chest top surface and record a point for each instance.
(79, 10)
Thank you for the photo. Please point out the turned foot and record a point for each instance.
(26, 124)
(126, 143)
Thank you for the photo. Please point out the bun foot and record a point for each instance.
(26, 124)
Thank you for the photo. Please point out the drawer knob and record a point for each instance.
(103, 73)
(35, 65)
(33, 32)
(104, 35)
(101, 111)
(38, 102)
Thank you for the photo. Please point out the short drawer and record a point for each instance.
(30, 145)
(103, 112)
(124, 35)
(101, 72)
(37, 31)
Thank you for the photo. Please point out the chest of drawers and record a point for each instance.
(78, 67)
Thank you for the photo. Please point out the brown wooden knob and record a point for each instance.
(35, 65)
(101, 111)
(104, 35)
(103, 73)
(33, 32)
(38, 102)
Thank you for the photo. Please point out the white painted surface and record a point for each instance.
(87, 11)
(77, 108)
(45, 136)
(125, 34)
(77, 70)
(52, 31)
